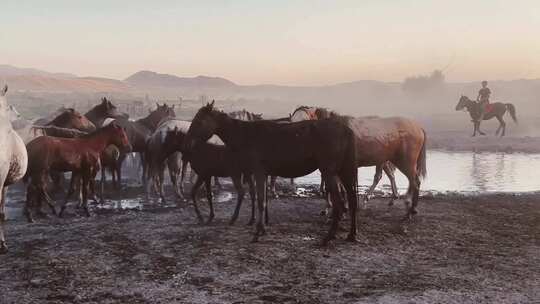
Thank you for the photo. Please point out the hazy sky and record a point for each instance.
(275, 41)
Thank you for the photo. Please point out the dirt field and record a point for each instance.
(483, 249)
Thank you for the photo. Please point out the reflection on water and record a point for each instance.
(465, 172)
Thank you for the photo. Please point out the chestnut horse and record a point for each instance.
(381, 142)
(265, 148)
(307, 113)
(211, 160)
(109, 159)
(77, 155)
(496, 109)
(13, 161)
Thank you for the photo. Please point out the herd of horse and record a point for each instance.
(240, 145)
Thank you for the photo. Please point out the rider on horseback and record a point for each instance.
(483, 99)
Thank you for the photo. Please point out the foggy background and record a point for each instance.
(429, 98)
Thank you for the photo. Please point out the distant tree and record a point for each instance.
(424, 83)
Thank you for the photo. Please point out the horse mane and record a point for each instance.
(59, 131)
(98, 131)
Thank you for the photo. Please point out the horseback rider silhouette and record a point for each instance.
(483, 99)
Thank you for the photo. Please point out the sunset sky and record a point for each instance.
(279, 41)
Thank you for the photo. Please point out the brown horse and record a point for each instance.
(382, 142)
(13, 161)
(69, 119)
(77, 155)
(105, 109)
(109, 158)
(208, 160)
(310, 113)
(496, 109)
(265, 148)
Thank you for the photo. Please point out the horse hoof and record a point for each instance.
(352, 238)
(3, 248)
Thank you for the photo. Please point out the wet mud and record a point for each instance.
(459, 249)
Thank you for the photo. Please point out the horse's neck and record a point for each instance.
(231, 131)
(149, 122)
(94, 117)
(99, 141)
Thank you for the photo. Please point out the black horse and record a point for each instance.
(266, 148)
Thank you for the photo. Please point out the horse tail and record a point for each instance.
(421, 167)
(512, 109)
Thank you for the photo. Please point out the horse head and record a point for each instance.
(463, 103)
(73, 120)
(204, 125)
(117, 137)
(106, 109)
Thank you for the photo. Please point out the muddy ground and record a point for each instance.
(459, 249)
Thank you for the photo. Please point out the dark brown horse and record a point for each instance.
(105, 109)
(208, 160)
(77, 155)
(496, 109)
(139, 131)
(265, 148)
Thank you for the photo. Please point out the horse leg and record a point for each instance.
(260, 183)
(266, 220)
(144, 167)
(68, 196)
(237, 182)
(161, 184)
(273, 186)
(253, 197)
(349, 182)
(102, 185)
(3, 246)
(30, 197)
(332, 184)
(389, 170)
(376, 179)
(208, 185)
(480, 131)
(502, 125)
(173, 175)
(408, 167)
(194, 190)
(217, 183)
(85, 187)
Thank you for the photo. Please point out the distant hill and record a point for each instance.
(153, 79)
(9, 71)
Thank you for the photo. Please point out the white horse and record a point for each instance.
(13, 160)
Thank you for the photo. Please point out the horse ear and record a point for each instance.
(157, 104)
(212, 103)
(4, 90)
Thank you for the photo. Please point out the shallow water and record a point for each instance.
(464, 172)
